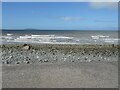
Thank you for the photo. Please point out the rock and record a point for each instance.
(72, 61)
(65, 58)
(37, 57)
(17, 62)
(86, 58)
(27, 62)
(26, 47)
(45, 60)
(10, 57)
(7, 62)
(40, 60)
(53, 53)
(10, 51)
(89, 60)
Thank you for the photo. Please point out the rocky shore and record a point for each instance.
(52, 53)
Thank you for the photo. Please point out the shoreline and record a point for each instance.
(47, 53)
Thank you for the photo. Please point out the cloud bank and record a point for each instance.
(98, 5)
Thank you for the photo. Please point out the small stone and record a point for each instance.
(65, 59)
(72, 60)
(10, 51)
(18, 63)
(10, 56)
(40, 60)
(89, 60)
(37, 57)
(7, 62)
(86, 58)
(45, 60)
(27, 62)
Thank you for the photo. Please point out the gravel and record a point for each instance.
(28, 54)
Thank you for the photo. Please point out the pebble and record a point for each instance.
(86, 58)
(30, 56)
(65, 59)
(37, 57)
(45, 60)
(26, 47)
(10, 57)
(17, 62)
(27, 62)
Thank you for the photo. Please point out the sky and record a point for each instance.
(60, 15)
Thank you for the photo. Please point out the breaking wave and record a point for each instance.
(57, 39)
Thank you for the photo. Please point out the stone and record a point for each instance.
(45, 60)
(89, 60)
(18, 63)
(78, 58)
(27, 62)
(10, 57)
(26, 47)
(86, 58)
(37, 57)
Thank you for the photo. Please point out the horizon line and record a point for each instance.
(64, 29)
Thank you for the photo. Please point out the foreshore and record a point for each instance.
(59, 66)
(52, 53)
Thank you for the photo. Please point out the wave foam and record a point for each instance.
(59, 39)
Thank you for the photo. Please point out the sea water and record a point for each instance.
(59, 37)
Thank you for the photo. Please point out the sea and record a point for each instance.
(59, 37)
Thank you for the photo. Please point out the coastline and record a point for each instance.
(42, 53)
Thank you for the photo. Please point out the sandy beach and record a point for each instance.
(22, 70)
(59, 44)
(70, 75)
